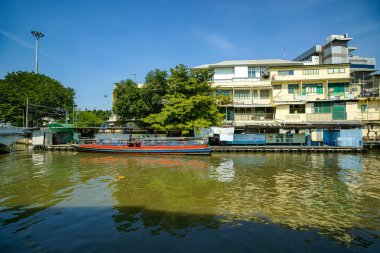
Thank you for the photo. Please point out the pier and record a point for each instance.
(247, 149)
(303, 149)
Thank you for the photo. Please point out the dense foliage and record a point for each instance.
(129, 103)
(47, 98)
(94, 118)
(175, 103)
(154, 89)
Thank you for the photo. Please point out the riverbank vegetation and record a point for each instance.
(47, 98)
(174, 103)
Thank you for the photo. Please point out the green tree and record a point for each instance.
(103, 114)
(188, 103)
(88, 119)
(48, 97)
(154, 89)
(129, 103)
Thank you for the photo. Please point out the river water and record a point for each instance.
(264, 202)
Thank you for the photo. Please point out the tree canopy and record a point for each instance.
(154, 89)
(187, 104)
(176, 103)
(48, 97)
(129, 103)
(89, 119)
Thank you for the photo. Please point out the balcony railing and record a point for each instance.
(319, 117)
(254, 116)
(368, 116)
(307, 117)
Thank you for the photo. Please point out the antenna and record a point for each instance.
(284, 52)
(134, 76)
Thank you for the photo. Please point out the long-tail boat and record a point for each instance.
(182, 145)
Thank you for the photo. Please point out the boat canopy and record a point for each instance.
(173, 141)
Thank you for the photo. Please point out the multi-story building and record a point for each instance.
(336, 50)
(324, 87)
(320, 93)
(278, 94)
(251, 94)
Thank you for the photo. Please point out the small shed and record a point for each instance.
(62, 133)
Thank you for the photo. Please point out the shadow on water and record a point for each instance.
(137, 229)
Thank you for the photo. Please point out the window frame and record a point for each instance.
(242, 94)
(311, 86)
(336, 70)
(310, 72)
(287, 72)
(297, 108)
(295, 87)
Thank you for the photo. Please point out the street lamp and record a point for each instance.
(37, 35)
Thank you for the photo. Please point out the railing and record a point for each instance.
(254, 116)
(293, 116)
(368, 116)
(319, 117)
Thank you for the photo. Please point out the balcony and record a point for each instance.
(295, 117)
(371, 116)
(319, 117)
(254, 116)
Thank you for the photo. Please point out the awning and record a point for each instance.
(61, 128)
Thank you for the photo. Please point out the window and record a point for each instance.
(241, 94)
(335, 70)
(251, 72)
(310, 71)
(276, 86)
(285, 72)
(322, 107)
(338, 88)
(292, 88)
(264, 94)
(313, 88)
(294, 109)
(363, 108)
(223, 92)
(255, 94)
(256, 72)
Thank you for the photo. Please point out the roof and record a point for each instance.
(264, 62)
(58, 127)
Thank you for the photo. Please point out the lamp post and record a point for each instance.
(37, 35)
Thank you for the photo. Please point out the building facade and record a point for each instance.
(270, 95)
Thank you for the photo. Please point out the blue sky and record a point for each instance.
(90, 45)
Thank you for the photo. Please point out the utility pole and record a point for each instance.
(27, 112)
(37, 35)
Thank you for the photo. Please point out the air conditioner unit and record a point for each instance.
(262, 118)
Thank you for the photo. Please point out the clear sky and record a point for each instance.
(90, 45)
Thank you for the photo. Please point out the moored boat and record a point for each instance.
(186, 146)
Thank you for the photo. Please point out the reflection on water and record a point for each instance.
(224, 172)
(326, 199)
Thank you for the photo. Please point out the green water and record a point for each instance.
(265, 202)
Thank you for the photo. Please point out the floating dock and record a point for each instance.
(61, 147)
(305, 149)
(246, 149)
